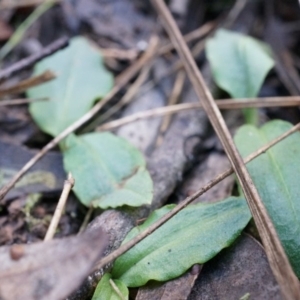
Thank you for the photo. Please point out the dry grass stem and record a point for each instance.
(21, 101)
(234, 13)
(27, 83)
(86, 219)
(69, 183)
(116, 289)
(111, 257)
(130, 54)
(279, 263)
(128, 74)
(192, 36)
(173, 99)
(222, 104)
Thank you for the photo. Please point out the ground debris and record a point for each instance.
(50, 270)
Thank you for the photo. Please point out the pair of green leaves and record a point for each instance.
(108, 171)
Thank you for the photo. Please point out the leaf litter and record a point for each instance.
(124, 215)
(49, 270)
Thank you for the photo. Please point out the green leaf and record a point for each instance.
(194, 235)
(239, 63)
(108, 171)
(276, 176)
(82, 79)
(105, 291)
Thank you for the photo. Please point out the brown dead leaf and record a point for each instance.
(49, 270)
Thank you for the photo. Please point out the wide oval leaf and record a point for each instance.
(276, 175)
(105, 290)
(81, 79)
(239, 63)
(108, 171)
(194, 235)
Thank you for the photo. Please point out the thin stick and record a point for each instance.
(234, 13)
(128, 74)
(130, 54)
(86, 219)
(164, 49)
(279, 263)
(191, 36)
(27, 83)
(222, 104)
(20, 101)
(173, 99)
(21, 30)
(29, 61)
(69, 183)
(116, 289)
(124, 248)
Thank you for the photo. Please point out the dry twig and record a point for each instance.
(222, 104)
(69, 183)
(196, 34)
(20, 101)
(116, 289)
(27, 83)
